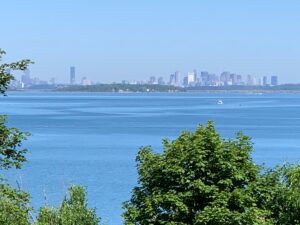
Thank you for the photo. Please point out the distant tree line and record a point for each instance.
(199, 179)
(170, 88)
(121, 88)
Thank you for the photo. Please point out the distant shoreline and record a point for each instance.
(148, 88)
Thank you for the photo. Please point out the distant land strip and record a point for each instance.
(122, 88)
(169, 88)
(284, 88)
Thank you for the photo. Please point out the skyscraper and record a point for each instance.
(25, 79)
(239, 79)
(172, 79)
(274, 80)
(225, 78)
(195, 75)
(152, 80)
(204, 78)
(191, 77)
(251, 80)
(265, 81)
(176, 78)
(233, 78)
(185, 81)
(72, 75)
(160, 81)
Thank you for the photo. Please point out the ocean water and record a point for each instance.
(92, 138)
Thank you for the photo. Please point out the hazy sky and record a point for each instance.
(114, 40)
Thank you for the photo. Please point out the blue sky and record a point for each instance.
(134, 39)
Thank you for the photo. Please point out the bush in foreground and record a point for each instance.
(73, 211)
(14, 206)
(201, 178)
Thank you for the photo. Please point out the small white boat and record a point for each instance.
(220, 102)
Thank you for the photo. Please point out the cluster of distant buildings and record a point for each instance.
(84, 80)
(191, 79)
(224, 79)
(204, 78)
(27, 81)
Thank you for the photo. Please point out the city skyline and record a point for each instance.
(133, 39)
(69, 78)
(191, 79)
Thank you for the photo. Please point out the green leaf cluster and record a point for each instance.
(14, 206)
(73, 211)
(10, 138)
(201, 178)
(11, 155)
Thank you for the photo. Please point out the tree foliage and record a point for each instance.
(10, 138)
(11, 153)
(283, 185)
(48, 216)
(14, 206)
(73, 211)
(200, 178)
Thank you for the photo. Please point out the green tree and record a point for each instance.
(11, 155)
(10, 138)
(200, 178)
(14, 204)
(283, 184)
(48, 216)
(73, 211)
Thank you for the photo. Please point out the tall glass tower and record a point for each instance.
(72, 75)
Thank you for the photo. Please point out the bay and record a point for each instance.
(92, 139)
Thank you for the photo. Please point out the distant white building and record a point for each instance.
(191, 78)
(85, 81)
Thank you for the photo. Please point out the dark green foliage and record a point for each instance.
(200, 178)
(48, 216)
(73, 211)
(10, 142)
(284, 186)
(10, 138)
(14, 206)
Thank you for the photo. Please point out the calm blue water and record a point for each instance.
(92, 138)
